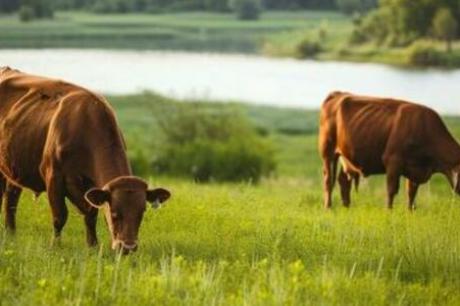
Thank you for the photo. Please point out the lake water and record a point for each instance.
(254, 79)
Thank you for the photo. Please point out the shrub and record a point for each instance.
(308, 48)
(26, 13)
(357, 37)
(246, 9)
(208, 145)
(423, 53)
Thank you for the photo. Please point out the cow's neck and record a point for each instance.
(110, 164)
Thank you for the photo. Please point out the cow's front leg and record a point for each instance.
(90, 222)
(76, 194)
(56, 197)
(412, 189)
(12, 194)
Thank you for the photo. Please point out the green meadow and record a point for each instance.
(244, 244)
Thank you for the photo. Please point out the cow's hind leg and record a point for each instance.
(412, 189)
(76, 192)
(393, 176)
(56, 197)
(329, 176)
(12, 194)
(345, 187)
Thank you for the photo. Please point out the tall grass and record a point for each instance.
(239, 244)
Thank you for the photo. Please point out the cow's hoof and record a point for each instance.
(56, 242)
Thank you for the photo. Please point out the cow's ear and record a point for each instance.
(97, 197)
(157, 196)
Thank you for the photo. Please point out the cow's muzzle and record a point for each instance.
(124, 247)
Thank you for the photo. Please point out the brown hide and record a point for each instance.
(383, 136)
(63, 139)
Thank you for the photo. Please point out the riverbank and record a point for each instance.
(330, 42)
(301, 34)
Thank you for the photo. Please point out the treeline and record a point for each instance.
(122, 6)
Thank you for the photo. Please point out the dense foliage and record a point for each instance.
(400, 22)
(211, 144)
(153, 6)
(246, 9)
(356, 6)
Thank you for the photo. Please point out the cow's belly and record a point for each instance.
(20, 160)
(360, 162)
(23, 171)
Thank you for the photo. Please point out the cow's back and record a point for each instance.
(29, 105)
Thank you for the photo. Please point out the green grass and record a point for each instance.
(243, 245)
(194, 31)
(239, 244)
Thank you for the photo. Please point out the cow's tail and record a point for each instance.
(335, 162)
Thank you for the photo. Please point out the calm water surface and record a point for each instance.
(254, 79)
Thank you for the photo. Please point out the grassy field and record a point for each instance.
(179, 31)
(239, 244)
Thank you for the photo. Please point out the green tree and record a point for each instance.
(26, 13)
(445, 26)
(400, 22)
(7, 6)
(35, 9)
(246, 9)
(356, 6)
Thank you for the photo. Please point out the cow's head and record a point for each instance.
(124, 202)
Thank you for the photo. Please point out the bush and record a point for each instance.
(26, 13)
(211, 146)
(423, 53)
(246, 9)
(307, 48)
(357, 37)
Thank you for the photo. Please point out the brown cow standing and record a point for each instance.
(376, 136)
(63, 139)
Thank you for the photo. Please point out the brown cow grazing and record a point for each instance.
(384, 136)
(63, 139)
